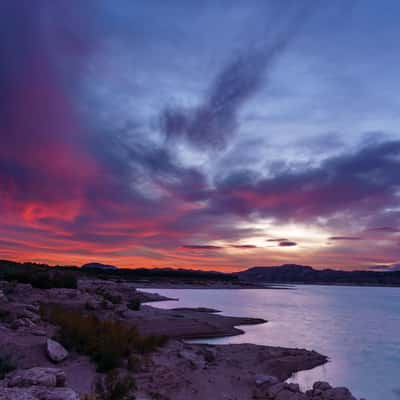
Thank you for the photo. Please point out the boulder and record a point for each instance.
(287, 394)
(293, 387)
(37, 376)
(267, 380)
(38, 393)
(338, 393)
(275, 389)
(55, 351)
(321, 386)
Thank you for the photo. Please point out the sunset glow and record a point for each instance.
(162, 137)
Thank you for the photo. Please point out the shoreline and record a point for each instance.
(177, 370)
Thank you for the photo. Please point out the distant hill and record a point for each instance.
(292, 273)
(99, 266)
(106, 271)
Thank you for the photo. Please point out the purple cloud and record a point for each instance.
(201, 247)
(287, 244)
(345, 238)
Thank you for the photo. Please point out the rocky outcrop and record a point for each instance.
(37, 383)
(324, 391)
(178, 370)
(268, 390)
(55, 351)
(292, 273)
(38, 393)
(37, 376)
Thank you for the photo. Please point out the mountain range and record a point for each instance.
(293, 273)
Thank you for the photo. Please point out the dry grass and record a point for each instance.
(106, 342)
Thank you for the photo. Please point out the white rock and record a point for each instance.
(56, 351)
(38, 393)
(49, 377)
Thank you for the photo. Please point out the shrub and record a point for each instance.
(106, 341)
(63, 280)
(6, 365)
(112, 298)
(134, 304)
(89, 306)
(115, 387)
(41, 279)
(133, 363)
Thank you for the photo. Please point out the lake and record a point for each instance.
(358, 328)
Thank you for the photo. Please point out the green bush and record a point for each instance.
(107, 342)
(134, 304)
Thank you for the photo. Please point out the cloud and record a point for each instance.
(362, 183)
(215, 120)
(244, 246)
(345, 238)
(287, 244)
(384, 229)
(385, 268)
(201, 247)
(75, 183)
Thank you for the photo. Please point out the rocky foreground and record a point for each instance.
(34, 366)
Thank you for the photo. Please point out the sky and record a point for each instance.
(200, 134)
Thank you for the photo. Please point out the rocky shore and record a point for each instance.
(34, 365)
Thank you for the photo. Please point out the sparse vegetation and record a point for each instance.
(6, 365)
(134, 304)
(133, 363)
(115, 386)
(37, 275)
(107, 342)
(112, 298)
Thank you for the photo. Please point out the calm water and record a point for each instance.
(357, 328)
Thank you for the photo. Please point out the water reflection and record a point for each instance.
(358, 328)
